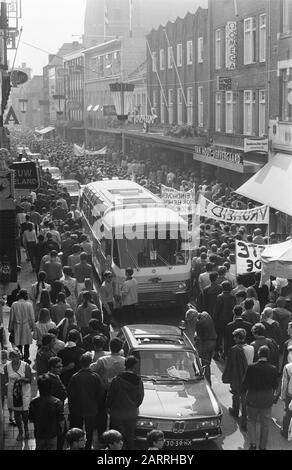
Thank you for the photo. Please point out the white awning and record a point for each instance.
(89, 108)
(46, 130)
(96, 108)
(272, 184)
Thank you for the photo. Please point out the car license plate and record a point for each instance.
(178, 443)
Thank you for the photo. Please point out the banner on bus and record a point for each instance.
(257, 215)
(181, 201)
(248, 257)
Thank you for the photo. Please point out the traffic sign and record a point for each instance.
(26, 175)
(11, 117)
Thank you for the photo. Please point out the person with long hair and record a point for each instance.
(45, 302)
(59, 308)
(29, 243)
(71, 284)
(36, 290)
(66, 324)
(43, 325)
(252, 294)
(84, 311)
(57, 287)
(18, 370)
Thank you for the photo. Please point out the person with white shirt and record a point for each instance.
(204, 278)
(129, 295)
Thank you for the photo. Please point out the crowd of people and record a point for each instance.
(232, 319)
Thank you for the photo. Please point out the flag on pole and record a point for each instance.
(106, 21)
(131, 17)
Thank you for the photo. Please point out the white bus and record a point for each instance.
(131, 227)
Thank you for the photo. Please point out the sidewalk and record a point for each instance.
(26, 279)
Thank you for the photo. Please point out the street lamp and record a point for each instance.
(60, 103)
(122, 97)
(23, 105)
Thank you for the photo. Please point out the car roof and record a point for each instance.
(68, 181)
(160, 336)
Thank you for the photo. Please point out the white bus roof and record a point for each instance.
(131, 192)
(140, 216)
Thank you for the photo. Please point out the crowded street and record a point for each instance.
(146, 230)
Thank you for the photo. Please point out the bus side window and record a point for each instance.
(106, 247)
(116, 258)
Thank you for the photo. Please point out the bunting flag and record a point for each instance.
(106, 21)
(131, 17)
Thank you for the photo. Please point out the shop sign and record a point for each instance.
(231, 45)
(255, 145)
(26, 175)
(141, 119)
(219, 154)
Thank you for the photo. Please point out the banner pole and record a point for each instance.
(269, 225)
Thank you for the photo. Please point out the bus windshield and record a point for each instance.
(151, 253)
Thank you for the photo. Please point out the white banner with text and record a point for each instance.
(248, 257)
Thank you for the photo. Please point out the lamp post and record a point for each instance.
(60, 99)
(122, 94)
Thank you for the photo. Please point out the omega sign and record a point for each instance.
(231, 45)
(218, 154)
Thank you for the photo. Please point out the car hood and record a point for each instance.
(178, 400)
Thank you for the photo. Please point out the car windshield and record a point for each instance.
(145, 253)
(71, 187)
(175, 365)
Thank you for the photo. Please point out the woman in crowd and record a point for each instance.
(84, 312)
(43, 325)
(18, 370)
(71, 284)
(67, 324)
(251, 294)
(36, 291)
(59, 308)
(29, 242)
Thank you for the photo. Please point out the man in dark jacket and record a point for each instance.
(260, 383)
(124, 397)
(47, 414)
(259, 332)
(86, 395)
(237, 322)
(223, 312)
(239, 356)
(58, 391)
(210, 294)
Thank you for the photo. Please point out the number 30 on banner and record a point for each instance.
(248, 257)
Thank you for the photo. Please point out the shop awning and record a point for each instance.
(89, 108)
(272, 184)
(46, 130)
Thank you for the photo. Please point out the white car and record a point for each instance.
(73, 188)
(55, 172)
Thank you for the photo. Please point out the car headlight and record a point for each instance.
(212, 423)
(182, 285)
(145, 423)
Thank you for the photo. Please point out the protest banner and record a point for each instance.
(181, 201)
(257, 215)
(248, 257)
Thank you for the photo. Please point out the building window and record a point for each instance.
(189, 52)
(162, 108)
(218, 111)
(249, 40)
(162, 59)
(229, 112)
(248, 103)
(169, 57)
(170, 106)
(218, 47)
(287, 16)
(200, 107)
(154, 62)
(263, 38)
(190, 105)
(179, 106)
(200, 50)
(286, 95)
(179, 55)
(262, 112)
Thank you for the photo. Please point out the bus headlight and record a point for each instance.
(182, 285)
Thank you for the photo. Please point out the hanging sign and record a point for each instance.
(231, 45)
(257, 215)
(11, 117)
(255, 145)
(248, 257)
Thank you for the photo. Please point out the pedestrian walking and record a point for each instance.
(18, 375)
(260, 384)
(238, 358)
(22, 323)
(124, 397)
(108, 367)
(84, 313)
(70, 356)
(129, 296)
(46, 412)
(86, 398)
(286, 396)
